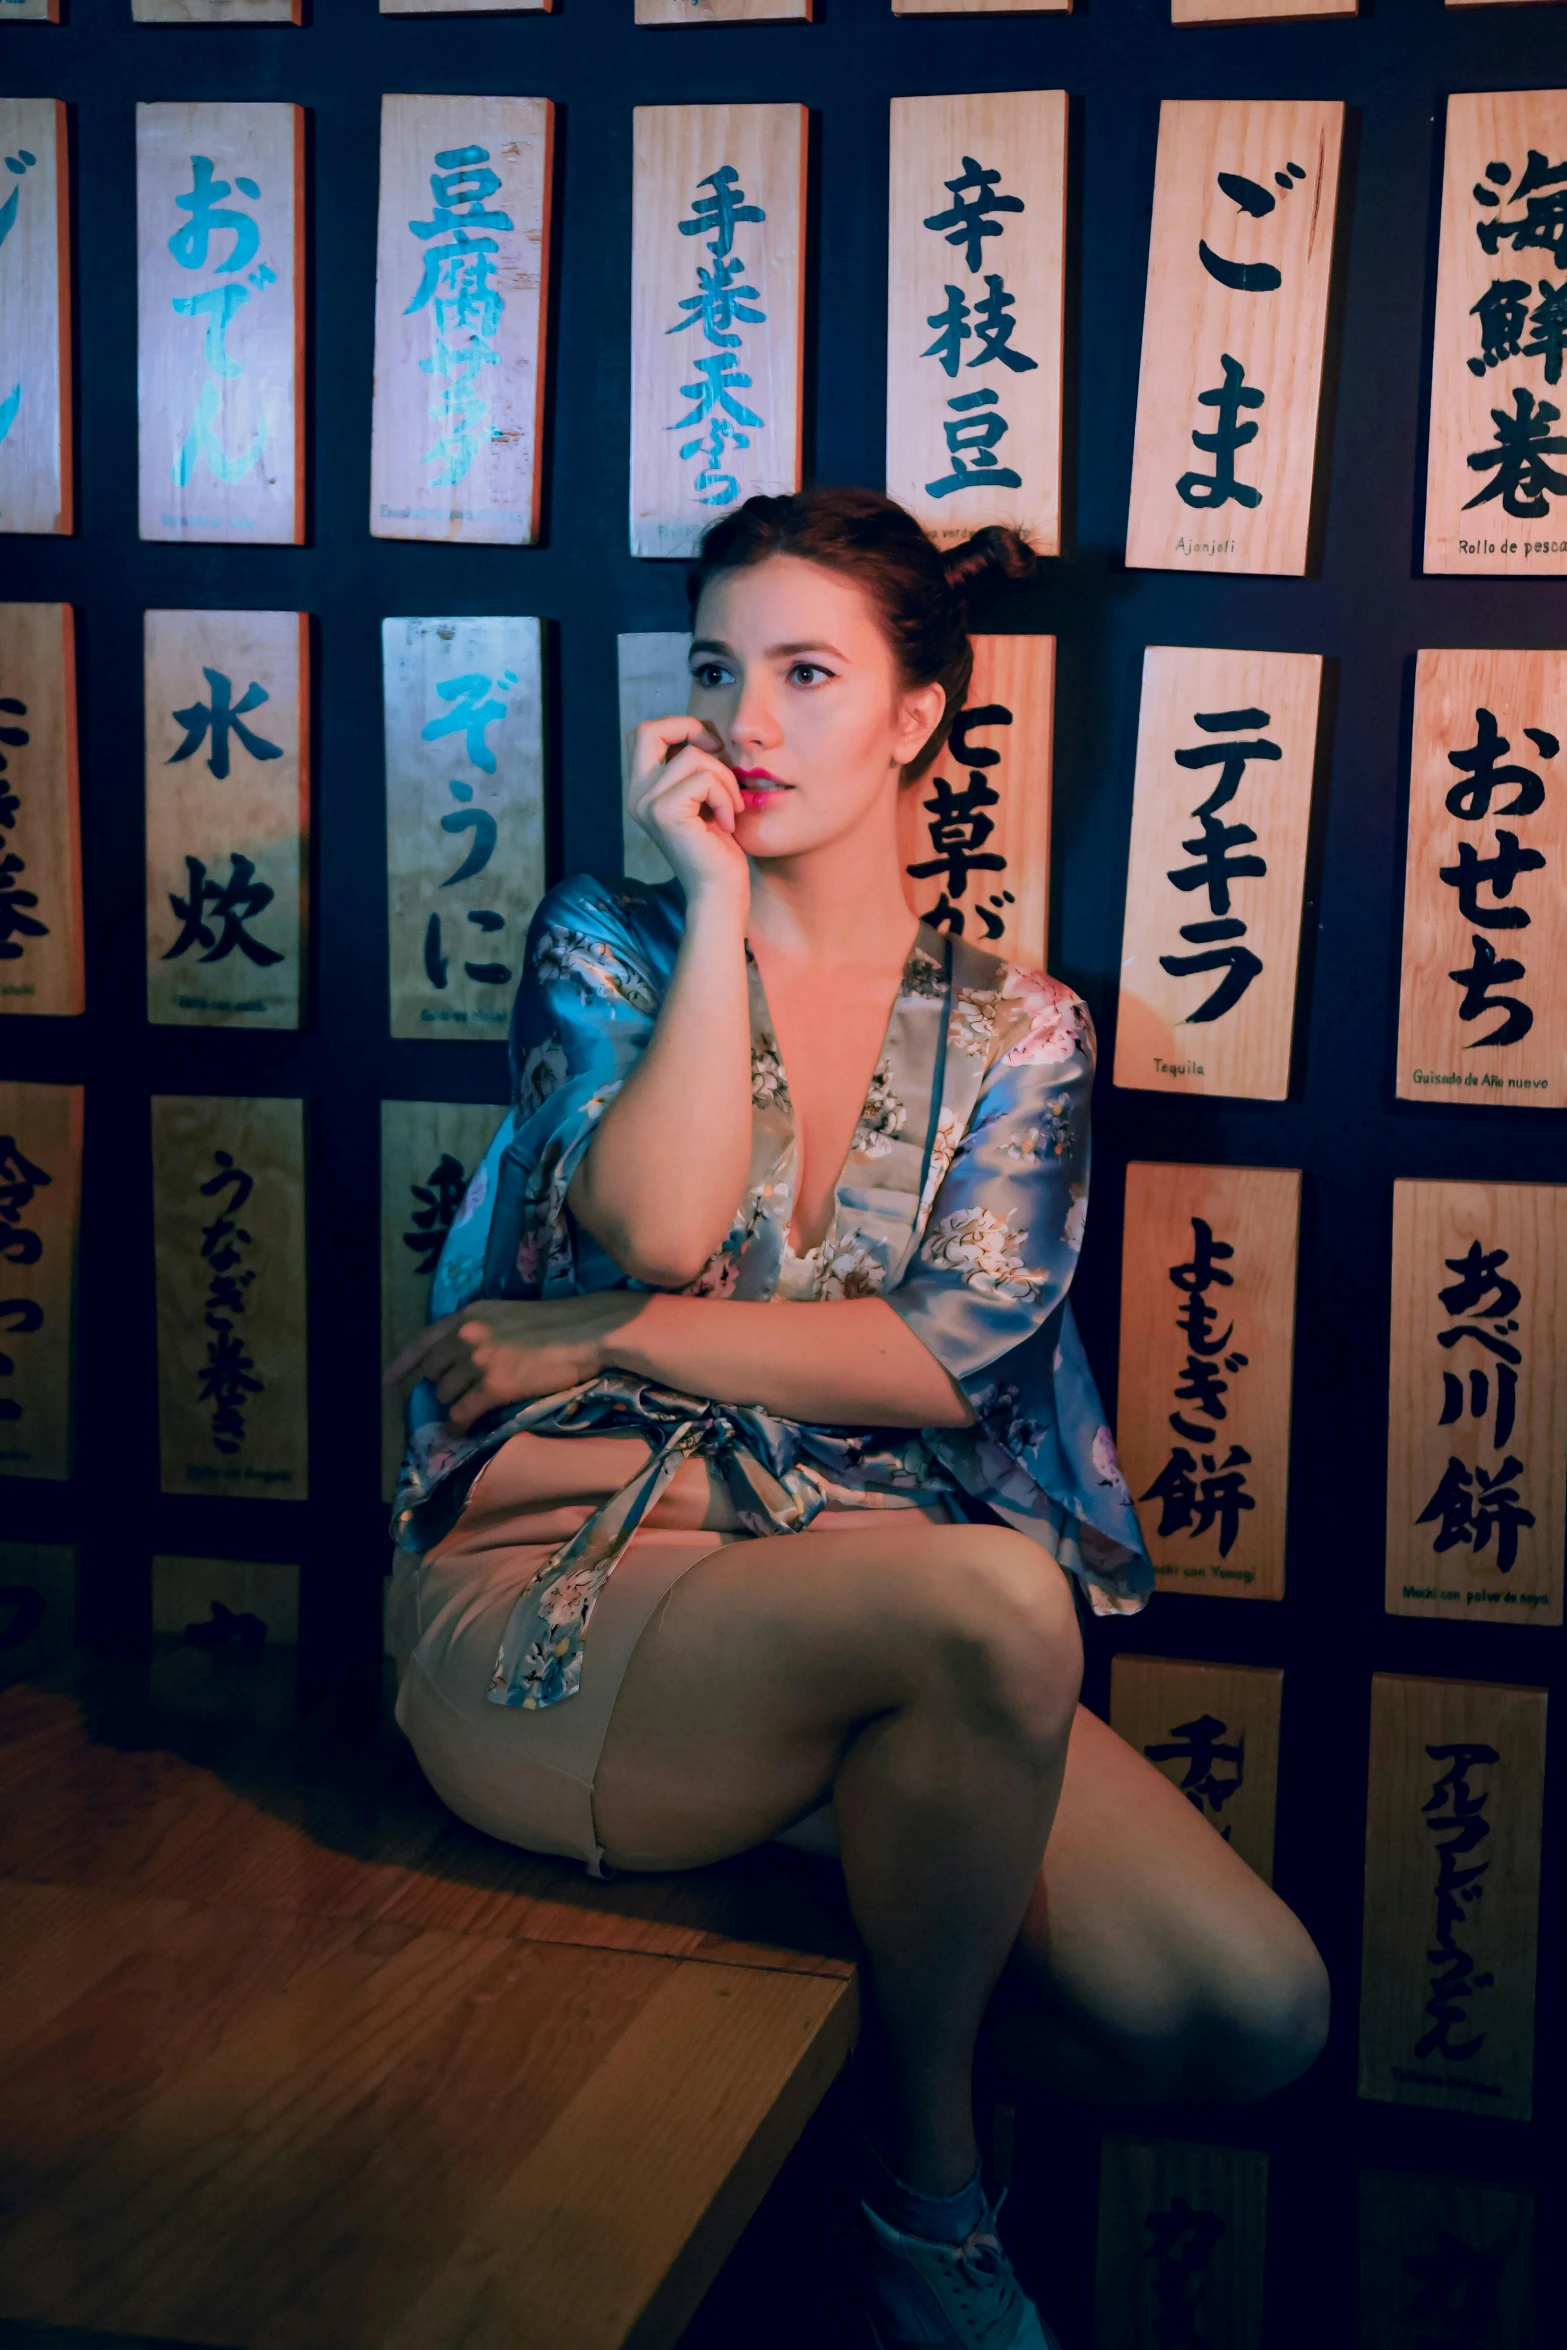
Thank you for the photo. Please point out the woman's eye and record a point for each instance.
(710, 674)
(808, 672)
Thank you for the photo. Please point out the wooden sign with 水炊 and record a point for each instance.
(1456, 2255)
(464, 818)
(429, 1151)
(228, 812)
(462, 260)
(466, 7)
(1182, 2237)
(1221, 812)
(974, 829)
(40, 836)
(1256, 11)
(1207, 1348)
(717, 315)
(1477, 1402)
(35, 300)
(228, 1179)
(216, 11)
(1452, 1895)
(220, 352)
(1482, 1009)
(236, 1605)
(975, 311)
(37, 1607)
(1213, 1730)
(720, 11)
(655, 682)
(1245, 199)
(40, 1213)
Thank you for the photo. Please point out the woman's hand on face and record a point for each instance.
(687, 799)
(503, 1351)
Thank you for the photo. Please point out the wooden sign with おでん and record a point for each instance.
(429, 1152)
(40, 841)
(1213, 1730)
(40, 1202)
(35, 300)
(655, 682)
(1184, 2228)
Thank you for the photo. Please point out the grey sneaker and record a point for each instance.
(955, 2296)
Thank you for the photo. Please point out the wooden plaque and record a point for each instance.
(1456, 2255)
(1477, 1402)
(228, 811)
(720, 11)
(35, 300)
(219, 226)
(974, 829)
(1221, 811)
(1207, 1347)
(1257, 11)
(464, 818)
(981, 7)
(1213, 1730)
(1182, 2237)
(717, 312)
(40, 1214)
(1482, 1013)
(1245, 198)
(40, 833)
(975, 312)
(462, 264)
(466, 7)
(229, 1232)
(37, 1607)
(227, 1606)
(216, 11)
(429, 1151)
(655, 682)
(30, 12)
(1452, 1895)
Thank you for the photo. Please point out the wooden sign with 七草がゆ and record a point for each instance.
(40, 842)
(429, 1154)
(40, 1196)
(35, 300)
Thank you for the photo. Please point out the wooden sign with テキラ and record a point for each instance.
(37, 1607)
(216, 11)
(717, 279)
(1452, 1895)
(1482, 1006)
(1213, 1730)
(220, 351)
(1221, 812)
(228, 1182)
(40, 844)
(228, 812)
(720, 11)
(40, 1210)
(35, 300)
(429, 1151)
(462, 261)
(1207, 1344)
(975, 293)
(1453, 2255)
(1182, 2234)
(1245, 199)
(236, 1607)
(655, 682)
(1477, 1402)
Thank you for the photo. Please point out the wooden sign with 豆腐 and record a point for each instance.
(1213, 1730)
(1445, 2251)
(1452, 1895)
(462, 261)
(1181, 2227)
(429, 1153)
(1477, 1402)
(40, 852)
(35, 299)
(1256, 11)
(228, 1181)
(228, 814)
(37, 1607)
(1221, 813)
(234, 1604)
(464, 818)
(220, 350)
(721, 11)
(1482, 1010)
(40, 1213)
(717, 314)
(216, 11)
(1234, 330)
(655, 682)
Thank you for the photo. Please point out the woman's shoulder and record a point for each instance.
(1036, 1019)
(603, 934)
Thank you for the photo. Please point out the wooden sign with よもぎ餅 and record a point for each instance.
(1181, 2227)
(429, 1152)
(40, 1198)
(35, 301)
(40, 843)
(1213, 1731)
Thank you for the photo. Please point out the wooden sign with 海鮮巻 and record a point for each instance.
(1213, 1730)
(40, 853)
(429, 1153)
(655, 682)
(1433, 2247)
(1234, 331)
(35, 299)
(1181, 2227)
(40, 1203)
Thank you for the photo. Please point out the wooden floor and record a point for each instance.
(289, 2058)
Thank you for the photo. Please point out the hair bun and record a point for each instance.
(985, 560)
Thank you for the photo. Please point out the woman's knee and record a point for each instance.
(1002, 1634)
(1263, 2027)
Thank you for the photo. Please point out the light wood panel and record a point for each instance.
(462, 268)
(1213, 1730)
(30, 12)
(216, 11)
(1257, 11)
(220, 351)
(429, 1151)
(655, 682)
(1182, 2240)
(717, 310)
(975, 312)
(1226, 754)
(1452, 1895)
(37, 1614)
(466, 7)
(464, 818)
(1234, 330)
(721, 11)
(1448, 2253)
(1482, 1011)
(981, 7)
(35, 297)
(1207, 1343)
(233, 1605)
(229, 1238)
(40, 825)
(227, 706)
(40, 1209)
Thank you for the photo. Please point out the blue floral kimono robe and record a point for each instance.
(961, 1202)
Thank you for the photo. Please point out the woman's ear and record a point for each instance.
(920, 712)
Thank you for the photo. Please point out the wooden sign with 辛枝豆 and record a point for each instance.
(35, 300)
(1182, 2228)
(429, 1153)
(1213, 1731)
(40, 835)
(40, 1202)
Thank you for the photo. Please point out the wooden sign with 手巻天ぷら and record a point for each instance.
(1213, 1730)
(721, 11)
(40, 852)
(975, 292)
(216, 11)
(35, 299)
(1234, 330)
(40, 1203)
(717, 307)
(462, 262)
(655, 682)
(1431, 2245)
(1180, 2226)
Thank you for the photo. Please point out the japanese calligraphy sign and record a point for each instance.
(1182, 2232)
(40, 1200)
(466, 7)
(1452, 1895)
(35, 298)
(720, 11)
(1477, 1404)
(717, 276)
(40, 845)
(229, 1231)
(1456, 2255)
(462, 259)
(1245, 199)
(429, 1151)
(1256, 11)
(464, 818)
(1213, 1730)
(30, 12)
(1482, 1013)
(1207, 1340)
(216, 11)
(1221, 811)
(228, 807)
(232, 1607)
(655, 682)
(37, 1606)
(219, 224)
(981, 7)
(975, 292)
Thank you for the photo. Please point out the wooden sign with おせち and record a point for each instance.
(975, 293)
(35, 298)
(721, 11)
(717, 276)
(216, 11)
(655, 682)
(1442, 2251)
(40, 1203)
(40, 842)
(429, 1151)
(1452, 1895)
(1213, 1730)
(1182, 2228)
(37, 1606)
(1245, 199)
